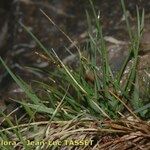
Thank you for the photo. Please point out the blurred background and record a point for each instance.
(18, 49)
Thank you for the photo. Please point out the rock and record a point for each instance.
(145, 42)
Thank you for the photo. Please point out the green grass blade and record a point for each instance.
(24, 87)
(38, 42)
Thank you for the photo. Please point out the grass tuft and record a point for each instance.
(77, 102)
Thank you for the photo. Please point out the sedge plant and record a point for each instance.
(70, 94)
